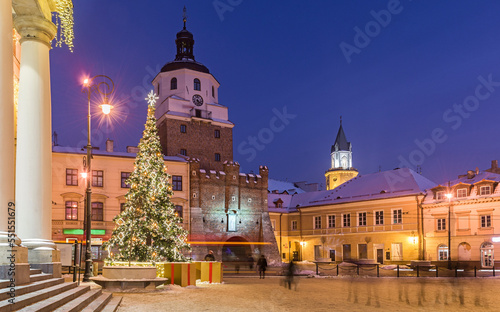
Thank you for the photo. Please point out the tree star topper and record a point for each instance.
(151, 98)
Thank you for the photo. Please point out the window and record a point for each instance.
(294, 225)
(217, 134)
(213, 91)
(177, 183)
(440, 196)
(441, 224)
(379, 217)
(217, 157)
(362, 219)
(331, 221)
(178, 210)
(71, 210)
(486, 221)
(485, 190)
(173, 84)
(122, 207)
(184, 152)
(397, 216)
(97, 211)
(71, 177)
(97, 177)
(347, 220)
(158, 90)
(317, 222)
(183, 128)
(197, 84)
(124, 177)
(461, 193)
(442, 252)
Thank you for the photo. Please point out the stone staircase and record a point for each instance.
(45, 293)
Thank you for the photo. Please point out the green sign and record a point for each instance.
(80, 232)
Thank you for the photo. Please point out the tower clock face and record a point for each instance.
(197, 100)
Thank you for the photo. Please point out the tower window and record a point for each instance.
(158, 91)
(197, 84)
(213, 91)
(184, 152)
(173, 84)
(183, 128)
(177, 183)
(217, 157)
(217, 134)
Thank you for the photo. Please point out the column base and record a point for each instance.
(54, 268)
(14, 264)
(43, 255)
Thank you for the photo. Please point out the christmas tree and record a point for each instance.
(148, 229)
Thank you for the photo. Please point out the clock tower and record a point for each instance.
(191, 121)
(341, 161)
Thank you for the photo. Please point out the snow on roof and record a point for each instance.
(281, 186)
(177, 97)
(483, 175)
(386, 184)
(76, 150)
(272, 198)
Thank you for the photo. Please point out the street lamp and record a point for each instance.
(448, 195)
(104, 86)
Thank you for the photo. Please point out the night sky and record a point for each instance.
(430, 73)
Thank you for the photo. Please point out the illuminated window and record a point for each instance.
(173, 84)
(124, 177)
(71, 210)
(178, 210)
(485, 190)
(442, 252)
(71, 177)
(97, 211)
(317, 222)
(331, 221)
(177, 183)
(362, 219)
(294, 225)
(197, 84)
(397, 216)
(486, 221)
(461, 193)
(379, 217)
(441, 224)
(346, 220)
(97, 178)
(440, 196)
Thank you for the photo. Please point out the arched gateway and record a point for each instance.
(236, 248)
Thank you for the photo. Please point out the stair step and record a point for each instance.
(39, 277)
(54, 302)
(80, 302)
(113, 304)
(4, 283)
(99, 303)
(24, 289)
(30, 298)
(35, 271)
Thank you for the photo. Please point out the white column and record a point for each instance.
(7, 150)
(34, 146)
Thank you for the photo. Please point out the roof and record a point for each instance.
(483, 175)
(341, 141)
(82, 151)
(281, 186)
(189, 64)
(380, 185)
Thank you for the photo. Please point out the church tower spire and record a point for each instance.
(184, 42)
(341, 161)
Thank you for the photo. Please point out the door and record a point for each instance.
(380, 256)
(487, 255)
(397, 251)
(346, 252)
(362, 251)
(332, 254)
(317, 252)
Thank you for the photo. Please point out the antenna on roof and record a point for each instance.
(419, 169)
(184, 16)
(340, 120)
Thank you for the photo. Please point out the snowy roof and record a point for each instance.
(272, 198)
(386, 184)
(82, 151)
(483, 175)
(281, 186)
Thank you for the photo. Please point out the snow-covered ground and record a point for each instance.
(324, 294)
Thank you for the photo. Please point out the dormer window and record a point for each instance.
(173, 84)
(461, 193)
(485, 190)
(440, 196)
(197, 84)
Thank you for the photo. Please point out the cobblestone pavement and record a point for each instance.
(324, 294)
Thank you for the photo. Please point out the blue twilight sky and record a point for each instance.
(429, 73)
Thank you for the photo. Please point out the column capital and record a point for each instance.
(32, 27)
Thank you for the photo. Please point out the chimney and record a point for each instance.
(109, 146)
(132, 149)
(470, 174)
(494, 164)
(477, 170)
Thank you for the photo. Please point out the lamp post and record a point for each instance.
(448, 195)
(104, 86)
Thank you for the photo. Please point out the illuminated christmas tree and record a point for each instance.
(149, 229)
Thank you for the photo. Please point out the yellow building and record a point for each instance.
(371, 218)
(110, 170)
(341, 159)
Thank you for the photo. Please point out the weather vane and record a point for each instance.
(184, 16)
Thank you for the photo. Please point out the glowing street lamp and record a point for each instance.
(104, 86)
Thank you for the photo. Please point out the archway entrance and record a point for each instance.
(464, 252)
(236, 249)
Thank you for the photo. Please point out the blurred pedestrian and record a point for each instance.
(250, 262)
(262, 265)
(210, 256)
(289, 274)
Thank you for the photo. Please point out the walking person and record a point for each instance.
(290, 272)
(262, 265)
